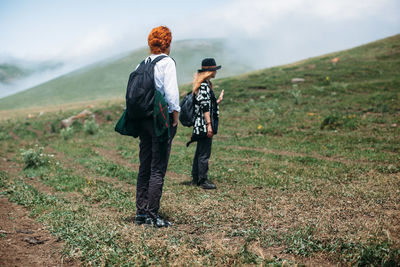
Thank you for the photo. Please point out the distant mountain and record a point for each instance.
(10, 71)
(107, 79)
(17, 75)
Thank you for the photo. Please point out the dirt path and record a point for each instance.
(24, 242)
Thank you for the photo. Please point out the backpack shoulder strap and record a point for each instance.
(140, 66)
(154, 61)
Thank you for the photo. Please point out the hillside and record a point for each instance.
(16, 74)
(107, 79)
(9, 72)
(307, 173)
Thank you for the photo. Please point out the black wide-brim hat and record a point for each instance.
(209, 64)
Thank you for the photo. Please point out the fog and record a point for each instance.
(38, 77)
(259, 33)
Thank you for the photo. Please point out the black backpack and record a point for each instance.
(140, 90)
(186, 116)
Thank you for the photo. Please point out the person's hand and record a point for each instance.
(210, 132)
(221, 97)
(175, 118)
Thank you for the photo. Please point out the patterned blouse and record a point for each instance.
(205, 101)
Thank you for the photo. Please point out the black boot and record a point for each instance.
(158, 222)
(206, 184)
(140, 219)
(195, 181)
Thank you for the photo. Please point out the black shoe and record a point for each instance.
(207, 185)
(140, 219)
(158, 222)
(191, 182)
(195, 181)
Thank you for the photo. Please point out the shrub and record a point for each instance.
(338, 86)
(34, 158)
(273, 107)
(53, 127)
(332, 122)
(67, 133)
(77, 125)
(388, 169)
(4, 136)
(90, 127)
(296, 93)
(378, 254)
(109, 117)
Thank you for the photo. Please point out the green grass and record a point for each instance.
(305, 174)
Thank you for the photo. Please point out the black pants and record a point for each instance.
(153, 167)
(200, 161)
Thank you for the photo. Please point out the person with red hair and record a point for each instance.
(153, 163)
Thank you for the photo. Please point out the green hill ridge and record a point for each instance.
(107, 79)
(366, 77)
(9, 72)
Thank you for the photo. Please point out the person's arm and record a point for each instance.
(176, 117)
(171, 90)
(207, 118)
(221, 97)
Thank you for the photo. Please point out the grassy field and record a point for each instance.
(108, 79)
(307, 173)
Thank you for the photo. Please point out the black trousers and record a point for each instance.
(201, 158)
(153, 167)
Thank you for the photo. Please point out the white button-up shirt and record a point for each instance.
(166, 82)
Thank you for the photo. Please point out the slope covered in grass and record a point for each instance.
(9, 72)
(306, 173)
(107, 79)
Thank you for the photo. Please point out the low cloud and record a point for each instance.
(276, 32)
(92, 43)
(257, 16)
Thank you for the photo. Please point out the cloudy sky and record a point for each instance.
(271, 31)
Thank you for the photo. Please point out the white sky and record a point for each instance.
(278, 31)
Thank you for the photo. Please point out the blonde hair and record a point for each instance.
(200, 77)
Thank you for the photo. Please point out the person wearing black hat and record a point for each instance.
(206, 112)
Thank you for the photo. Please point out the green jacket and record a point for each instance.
(160, 119)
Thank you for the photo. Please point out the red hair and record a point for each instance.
(159, 39)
